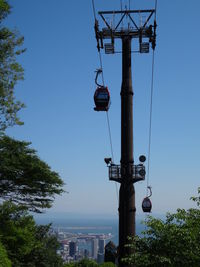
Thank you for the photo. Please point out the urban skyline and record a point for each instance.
(74, 247)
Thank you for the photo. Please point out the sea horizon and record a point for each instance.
(70, 217)
(88, 223)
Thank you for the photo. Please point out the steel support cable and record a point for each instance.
(109, 129)
(108, 121)
(121, 4)
(110, 137)
(151, 110)
(93, 7)
(121, 10)
(150, 131)
(150, 120)
(156, 3)
(107, 116)
(129, 7)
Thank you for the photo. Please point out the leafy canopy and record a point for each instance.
(24, 178)
(10, 70)
(4, 261)
(174, 242)
(89, 263)
(27, 244)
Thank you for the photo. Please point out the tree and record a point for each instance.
(27, 244)
(174, 242)
(24, 178)
(110, 252)
(44, 253)
(82, 263)
(10, 70)
(4, 261)
(89, 263)
(17, 232)
(107, 264)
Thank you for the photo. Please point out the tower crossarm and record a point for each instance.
(136, 24)
(124, 14)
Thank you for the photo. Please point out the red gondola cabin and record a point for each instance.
(146, 205)
(102, 99)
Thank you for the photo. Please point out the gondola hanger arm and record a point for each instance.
(150, 191)
(98, 71)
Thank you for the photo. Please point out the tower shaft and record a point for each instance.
(127, 192)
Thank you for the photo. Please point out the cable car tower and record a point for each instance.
(128, 26)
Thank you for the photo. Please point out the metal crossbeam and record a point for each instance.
(133, 30)
(126, 13)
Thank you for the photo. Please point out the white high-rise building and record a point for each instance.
(94, 248)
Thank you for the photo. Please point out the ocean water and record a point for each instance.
(88, 225)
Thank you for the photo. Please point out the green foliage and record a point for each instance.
(82, 263)
(107, 264)
(24, 178)
(27, 244)
(110, 252)
(89, 263)
(16, 231)
(70, 264)
(44, 253)
(10, 70)
(4, 9)
(4, 261)
(174, 242)
(197, 199)
(86, 263)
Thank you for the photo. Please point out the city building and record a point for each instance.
(94, 248)
(101, 246)
(86, 253)
(72, 248)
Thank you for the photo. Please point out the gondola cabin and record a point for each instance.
(102, 99)
(146, 205)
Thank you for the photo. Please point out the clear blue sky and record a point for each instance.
(58, 91)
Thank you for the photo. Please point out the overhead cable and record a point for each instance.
(151, 111)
